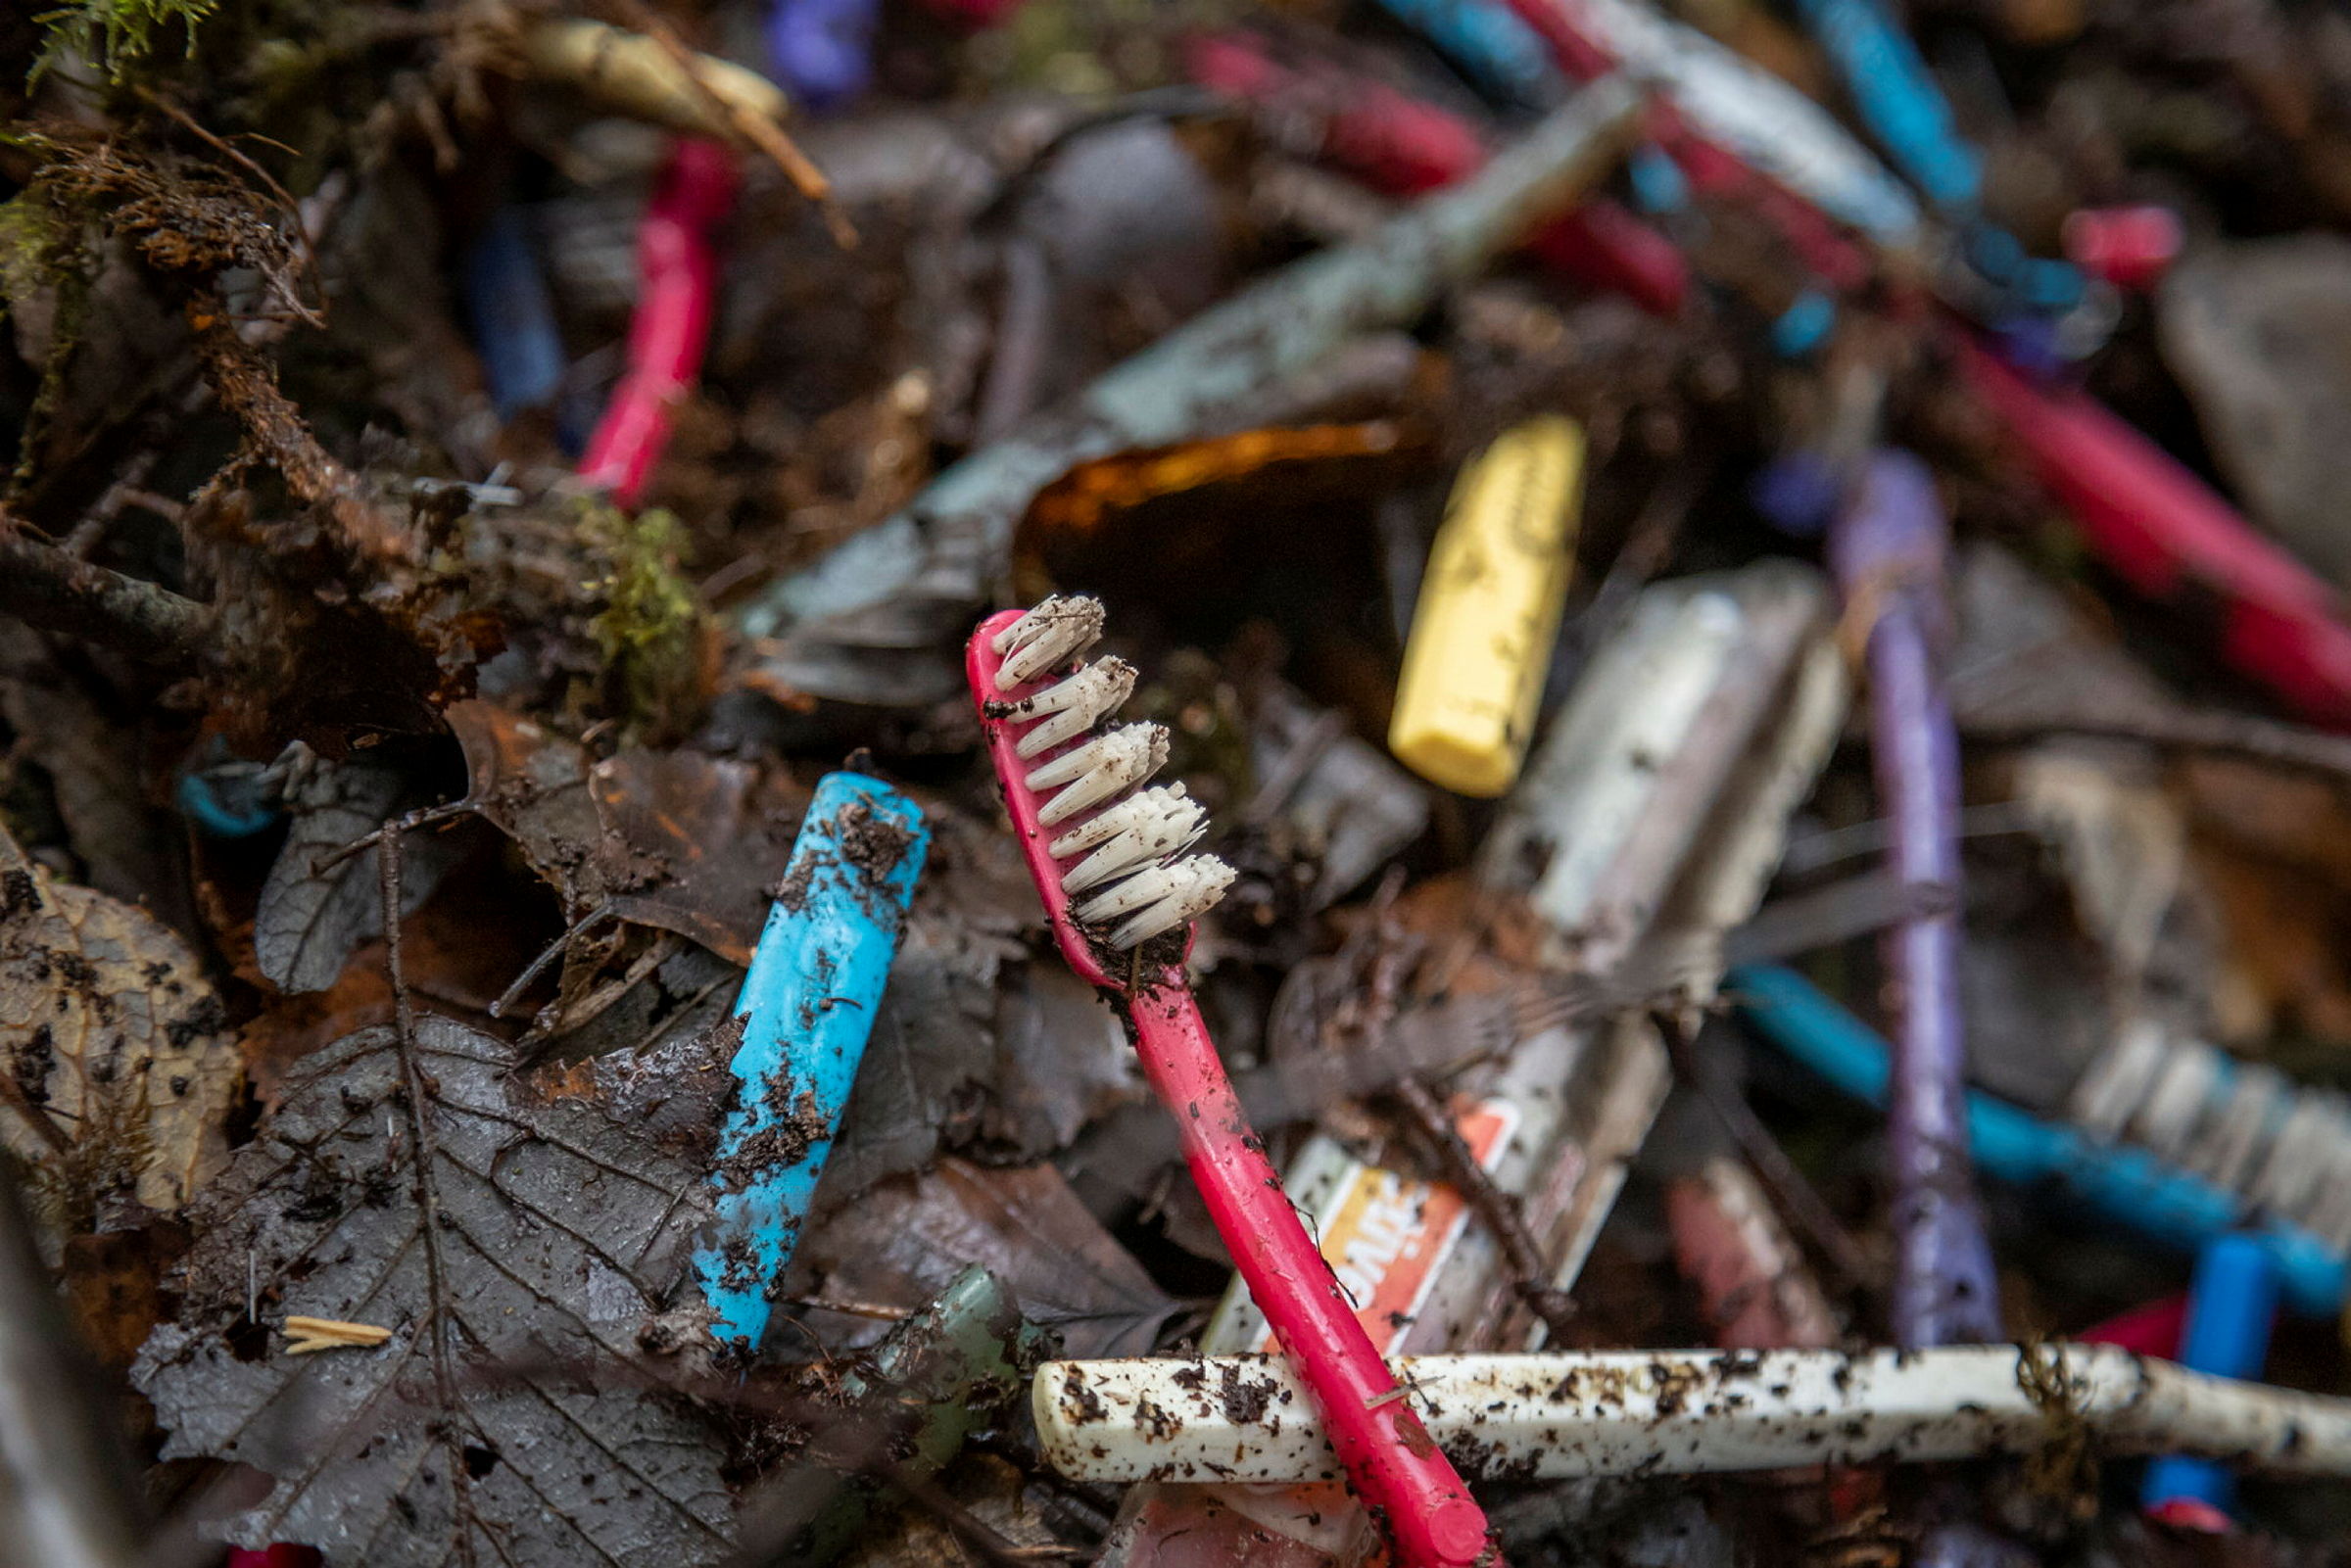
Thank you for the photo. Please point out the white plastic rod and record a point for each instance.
(1619, 1412)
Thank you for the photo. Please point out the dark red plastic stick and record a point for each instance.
(1402, 146)
(2170, 536)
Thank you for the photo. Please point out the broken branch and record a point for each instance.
(44, 587)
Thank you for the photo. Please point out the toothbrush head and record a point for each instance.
(1107, 852)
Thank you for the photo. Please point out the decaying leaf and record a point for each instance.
(90, 754)
(905, 1240)
(313, 912)
(521, 1264)
(678, 840)
(116, 1070)
(695, 844)
(974, 1048)
(919, 1087)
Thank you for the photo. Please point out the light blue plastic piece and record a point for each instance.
(226, 807)
(806, 1006)
(2051, 287)
(1658, 186)
(1804, 325)
(1890, 85)
(1484, 40)
(2131, 1185)
(2231, 1309)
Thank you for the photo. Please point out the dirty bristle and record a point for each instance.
(1124, 840)
(1058, 630)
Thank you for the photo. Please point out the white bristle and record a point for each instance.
(1073, 705)
(1057, 630)
(1152, 831)
(1110, 820)
(1161, 898)
(1129, 845)
(1111, 762)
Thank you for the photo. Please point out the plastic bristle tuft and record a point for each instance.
(1067, 710)
(1056, 631)
(1112, 820)
(1104, 766)
(1153, 833)
(1162, 898)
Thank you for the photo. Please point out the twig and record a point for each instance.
(1765, 1155)
(309, 249)
(1656, 532)
(44, 587)
(1529, 1276)
(759, 129)
(421, 817)
(12, 1096)
(2227, 735)
(245, 386)
(428, 1202)
(1860, 905)
(547, 955)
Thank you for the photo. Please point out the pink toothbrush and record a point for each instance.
(1122, 907)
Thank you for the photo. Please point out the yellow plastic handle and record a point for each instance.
(1489, 610)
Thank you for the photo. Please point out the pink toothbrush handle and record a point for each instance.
(1397, 1468)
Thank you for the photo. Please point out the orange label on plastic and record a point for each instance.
(1384, 1234)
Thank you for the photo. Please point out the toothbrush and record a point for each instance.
(1107, 859)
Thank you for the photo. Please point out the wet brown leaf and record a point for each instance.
(114, 1287)
(520, 1266)
(678, 840)
(116, 1071)
(315, 909)
(91, 756)
(908, 1238)
(694, 844)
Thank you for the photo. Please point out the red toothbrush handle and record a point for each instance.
(1397, 1469)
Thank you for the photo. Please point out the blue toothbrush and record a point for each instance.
(2133, 1186)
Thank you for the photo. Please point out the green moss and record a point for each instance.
(116, 34)
(653, 628)
(32, 232)
(45, 244)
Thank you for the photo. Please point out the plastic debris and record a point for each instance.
(1489, 611)
(964, 521)
(2230, 1311)
(2129, 247)
(2129, 1185)
(806, 1007)
(1888, 547)
(1020, 664)
(483, 1077)
(1622, 1412)
(677, 281)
